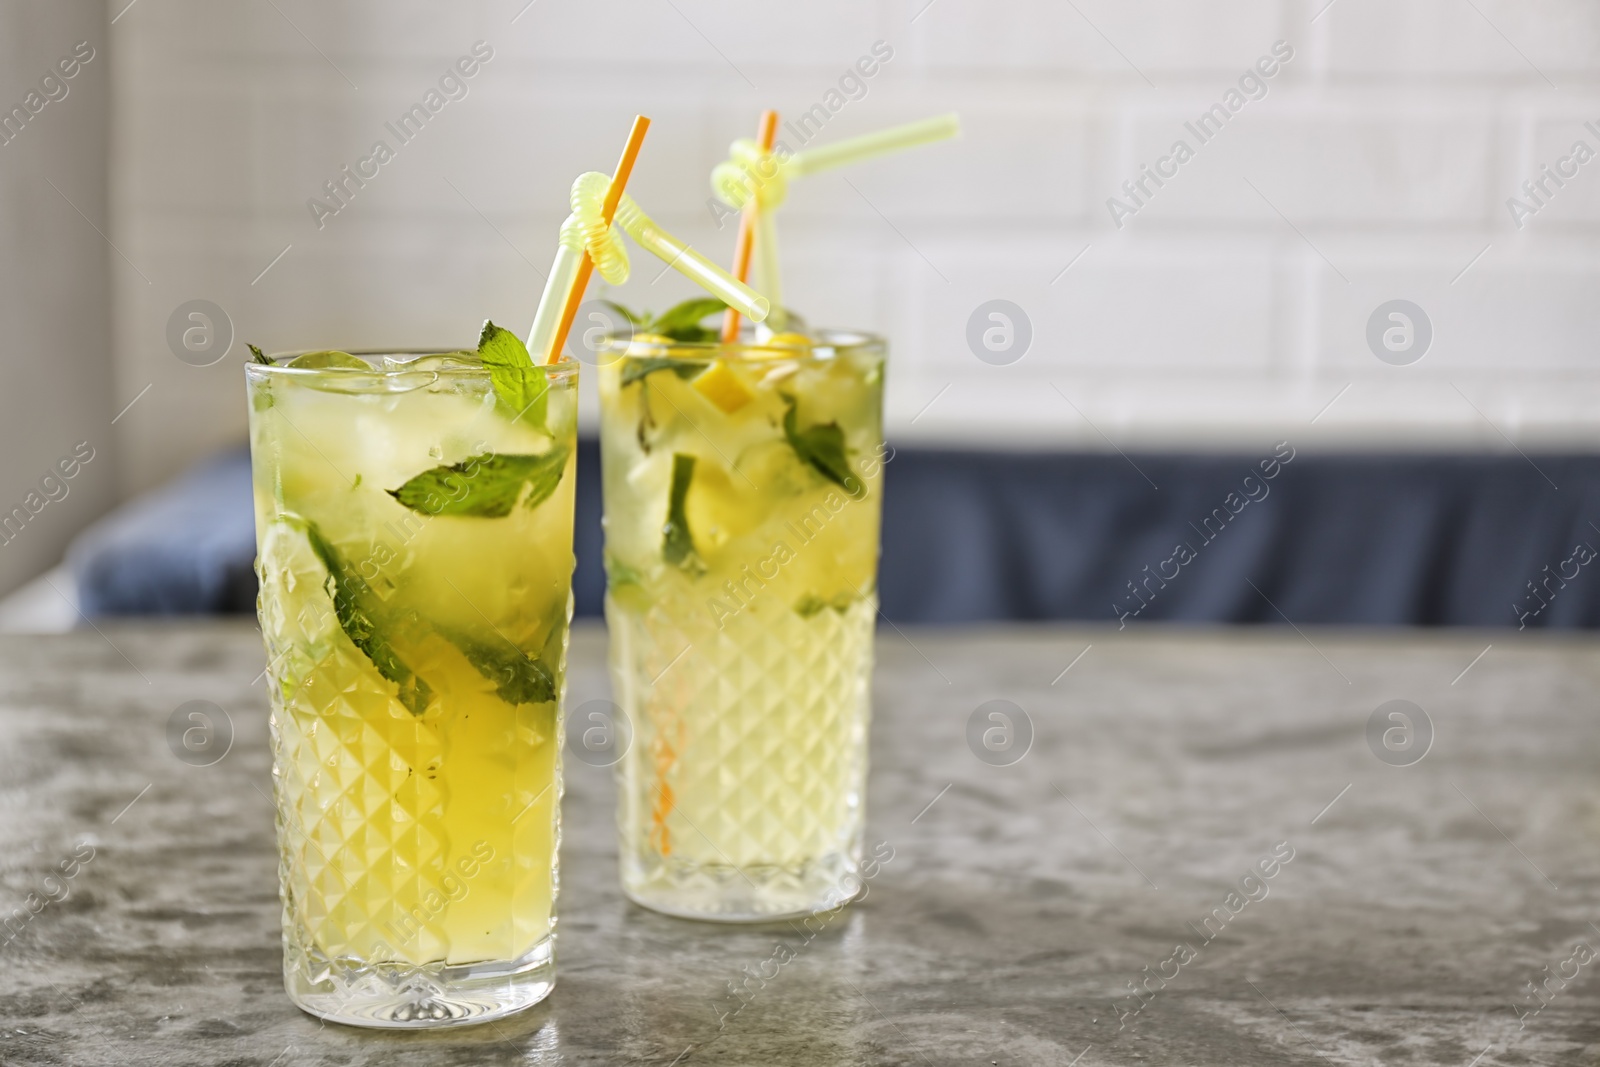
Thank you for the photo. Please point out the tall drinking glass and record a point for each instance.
(415, 560)
(743, 487)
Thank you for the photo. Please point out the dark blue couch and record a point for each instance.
(1452, 540)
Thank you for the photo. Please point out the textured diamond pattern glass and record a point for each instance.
(416, 663)
(742, 501)
(744, 783)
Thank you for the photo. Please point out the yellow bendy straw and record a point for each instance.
(871, 145)
(596, 231)
(753, 172)
(691, 264)
(586, 238)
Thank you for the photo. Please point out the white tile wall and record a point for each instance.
(1218, 316)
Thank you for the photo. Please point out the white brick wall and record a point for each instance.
(1389, 144)
(1420, 40)
(55, 290)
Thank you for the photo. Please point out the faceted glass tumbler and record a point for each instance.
(414, 552)
(743, 490)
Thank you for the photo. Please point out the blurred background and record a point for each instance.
(1159, 338)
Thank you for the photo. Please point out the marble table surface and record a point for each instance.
(1193, 851)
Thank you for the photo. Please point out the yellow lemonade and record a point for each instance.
(743, 490)
(415, 564)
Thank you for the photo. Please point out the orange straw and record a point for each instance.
(619, 181)
(747, 228)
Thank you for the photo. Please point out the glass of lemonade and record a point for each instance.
(415, 562)
(743, 487)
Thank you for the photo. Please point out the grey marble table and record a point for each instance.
(1022, 905)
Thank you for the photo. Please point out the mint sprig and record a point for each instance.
(485, 486)
(521, 387)
(518, 677)
(811, 604)
(364, 620)
(677, 543)
(821, 446)
(637, 369)
(619, 573)
(635, 319)
(681, 322)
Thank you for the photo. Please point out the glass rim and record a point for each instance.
(564, 366)
(833, 342)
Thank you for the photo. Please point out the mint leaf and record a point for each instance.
(682, 321)
(329, 359)
(520, 385)
(811, 604)
(677, 544)
(485, 486)
(647, 421)
(821, 446)
(619, 573)
(679, 323)
(260, 391)
(518, 677)
(625, 585)
(361, 616)
(637, 369)
(634, 318)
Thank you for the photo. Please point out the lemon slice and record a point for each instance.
(720, 385)
(781, 346)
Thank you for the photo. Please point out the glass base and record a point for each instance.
(752, 894)
(419, 997)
